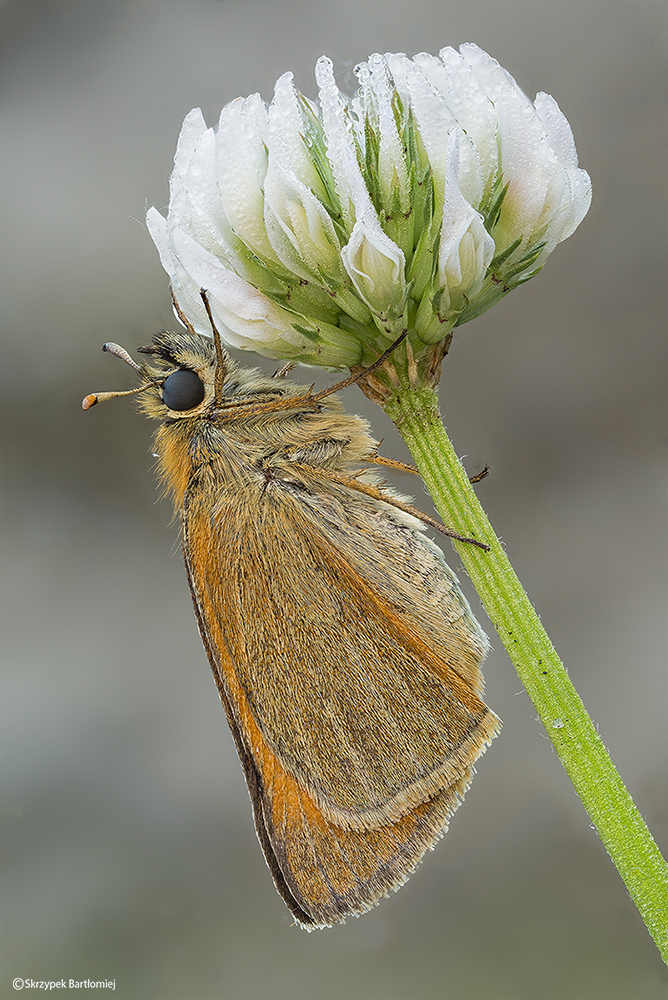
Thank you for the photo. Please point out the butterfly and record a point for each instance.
(345, 654)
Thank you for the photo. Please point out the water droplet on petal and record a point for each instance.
(362, 72)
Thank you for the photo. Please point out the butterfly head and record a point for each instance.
(180, 380)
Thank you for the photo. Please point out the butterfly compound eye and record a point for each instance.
(182, 390)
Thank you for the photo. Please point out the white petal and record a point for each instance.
(184, 288)
(392, 172)
(205, 218)
(529, 165)
(468, 103)
(157, 227)
(466, 249)
(580, 202)
(557, 129)
(299, 228)
(192, 128)
(286, 132)
(338, 136)
(241, 164)
(434, 122)
(350, 184)
(376, 266)
(398, 64)
(561, 140)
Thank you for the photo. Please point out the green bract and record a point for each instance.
(321, 231)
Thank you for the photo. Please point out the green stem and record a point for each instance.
(587, 762)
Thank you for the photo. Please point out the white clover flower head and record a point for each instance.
(322, 231)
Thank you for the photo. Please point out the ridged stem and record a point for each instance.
(577, 743)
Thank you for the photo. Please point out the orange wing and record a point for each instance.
(357, 722)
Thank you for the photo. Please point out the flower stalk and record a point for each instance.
(618, 822)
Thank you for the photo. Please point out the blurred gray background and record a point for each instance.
(129, 850)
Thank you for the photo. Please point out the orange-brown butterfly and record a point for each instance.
(345, 655)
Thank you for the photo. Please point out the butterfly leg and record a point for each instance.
(392, 463)
(377, 494)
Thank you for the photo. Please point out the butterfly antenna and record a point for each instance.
(220, 358)
(102, 397)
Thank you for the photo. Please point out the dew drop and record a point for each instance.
(362, 72)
